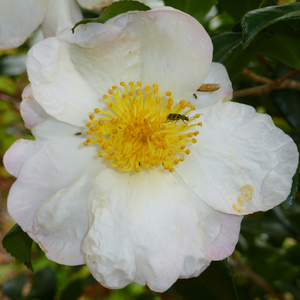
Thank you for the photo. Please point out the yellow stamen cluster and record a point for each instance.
(139, 128)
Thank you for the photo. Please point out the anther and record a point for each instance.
(104, 146)
(94, 128)
(182, 104)
(96, 110)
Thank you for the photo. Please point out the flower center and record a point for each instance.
(140, 130)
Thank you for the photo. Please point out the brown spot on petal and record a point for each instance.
(246, 194)
(236, 209)
(42, 246)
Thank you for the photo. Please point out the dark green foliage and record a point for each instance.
(115, 9)
(237, 8)
(44, 285)
(13, 288)
(73, 291)
(215, 283)
(289, 201)
(196, 8)
(224, 44)
(255, 21)
(18, 244)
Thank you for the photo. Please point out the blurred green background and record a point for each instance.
(262, 55)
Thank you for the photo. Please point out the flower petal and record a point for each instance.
(142, 225)
(50, 198)
(176, 51)
(217, 75)
(242, 162)
(215, 239)
(17, 154)
(19, 18)
(32, 113)
(60, 15)
(22, 149)
(70, 73)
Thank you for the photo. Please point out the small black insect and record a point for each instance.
(196, 97)
(176, 117)
(78, 133)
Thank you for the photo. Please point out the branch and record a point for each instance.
(270, 85)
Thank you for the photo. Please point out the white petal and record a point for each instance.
(32, 113)
(70, 74)
(49, 200)
(142, 225)
(18, 153)
(217, 75)
(215, 239)
(242, 162)
(22, 149)
(60, 15)
(18, 19)
(176, 51)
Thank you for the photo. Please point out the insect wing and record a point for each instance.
(209, 87)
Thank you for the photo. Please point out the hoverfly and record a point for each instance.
(176, 117)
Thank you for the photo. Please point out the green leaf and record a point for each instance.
(17, 243)
(13, 288)
(215, 283)
(196, 8)
(43, 286)
(267, 3)
(115, 9)
(73, 291)
(287, 47)
(238, 60)
(255, 21)
(289, 200)
(224, 44)
(237, 8)
(287, 100)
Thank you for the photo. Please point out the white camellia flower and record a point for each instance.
(19, 18)
(133, 171)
